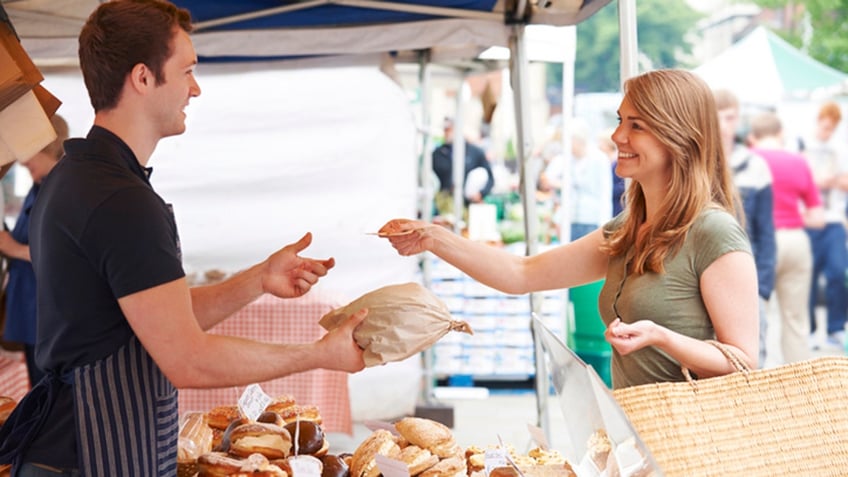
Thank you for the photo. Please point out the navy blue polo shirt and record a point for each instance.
(98, 232)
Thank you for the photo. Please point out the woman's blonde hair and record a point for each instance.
(679, 109)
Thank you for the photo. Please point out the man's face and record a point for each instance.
(728, 121)
(179, 86)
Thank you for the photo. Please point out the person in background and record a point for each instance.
(607, 146)
(677, 264)
(793, 184)
(752, 178)
(829, 163)
(478, 177)
(119, 328)
(14, 245)
(590, 182)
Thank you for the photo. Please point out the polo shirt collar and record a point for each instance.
(122, 151)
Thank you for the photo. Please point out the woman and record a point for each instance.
(677, 264)
(20, 304)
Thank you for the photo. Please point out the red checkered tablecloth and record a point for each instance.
(14, 382)
(293, 320)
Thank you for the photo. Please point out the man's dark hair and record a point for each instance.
(121, 34)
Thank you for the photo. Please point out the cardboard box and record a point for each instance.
(18, 74)
(25, 105)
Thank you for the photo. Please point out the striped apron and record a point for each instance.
(127, 419)
(127, 416)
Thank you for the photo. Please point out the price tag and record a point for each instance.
(374, 425)
(253, 402)
(538, 436)
(305, 466)
(495, 458)
(391, 467)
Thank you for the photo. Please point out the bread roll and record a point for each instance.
(428, 434)
(273, 442)
(363, 463)
(417, 459)
(450, 467)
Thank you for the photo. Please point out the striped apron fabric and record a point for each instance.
(127, 416)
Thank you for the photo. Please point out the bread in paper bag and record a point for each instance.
(402, 320)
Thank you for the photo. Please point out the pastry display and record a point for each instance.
(223, 442)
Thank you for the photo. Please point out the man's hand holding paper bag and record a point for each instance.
(402, 320)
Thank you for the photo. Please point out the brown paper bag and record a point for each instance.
(402, 320)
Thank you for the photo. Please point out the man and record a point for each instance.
(793, 186)
(752, 178)
(590, 190)
(118, 327)
(829, 163)
(477, 173)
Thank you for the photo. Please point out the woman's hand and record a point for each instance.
(289, 275)
(408, 237)
(627, 338)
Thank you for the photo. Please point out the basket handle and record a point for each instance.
(737, 362)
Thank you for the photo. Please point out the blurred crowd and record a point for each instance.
(793, 188)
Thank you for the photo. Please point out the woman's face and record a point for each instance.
(39, 165)
(641, 156)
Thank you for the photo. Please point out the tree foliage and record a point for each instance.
(661, 28)
(828, 22)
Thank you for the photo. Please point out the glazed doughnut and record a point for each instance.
(334, 466)
(271, 417)
(273, 442)
(257, 465)
(310, 436)
(304, 413)
(280, 403)
(221, 416)
(217, 464)
(226, 436)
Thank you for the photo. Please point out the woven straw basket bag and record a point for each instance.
(787, 420)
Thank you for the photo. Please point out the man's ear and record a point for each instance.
(141, 77)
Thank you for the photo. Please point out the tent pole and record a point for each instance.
(458, 168)
(425, 175)
(628, 42)
(518, 75)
